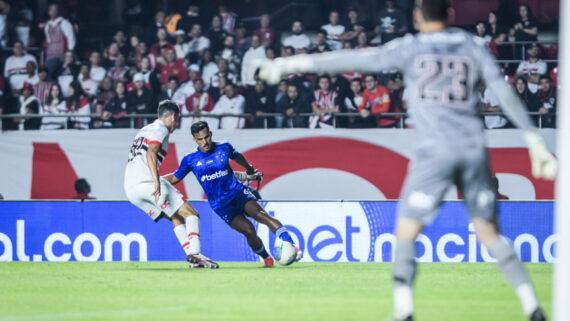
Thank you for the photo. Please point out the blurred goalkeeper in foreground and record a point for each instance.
(442, 67)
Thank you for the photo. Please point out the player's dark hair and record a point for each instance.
(198, 127)
(434, 10)
(167, 107)
(81, 186)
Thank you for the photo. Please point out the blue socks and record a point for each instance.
(282, 233)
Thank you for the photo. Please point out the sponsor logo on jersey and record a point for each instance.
(216, 175)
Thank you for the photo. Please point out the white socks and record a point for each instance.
(403, 302)
(193, 231)
(527, 297)
(189, 235)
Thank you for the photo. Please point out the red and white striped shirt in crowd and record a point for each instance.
(325, 101)
(41, 91)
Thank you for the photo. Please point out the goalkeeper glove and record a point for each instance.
(272, 70)
(543, 163)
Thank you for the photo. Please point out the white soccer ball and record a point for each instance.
(285, 253)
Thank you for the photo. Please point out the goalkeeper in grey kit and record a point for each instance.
(442, 67)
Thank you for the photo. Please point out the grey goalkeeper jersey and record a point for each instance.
(441, 71)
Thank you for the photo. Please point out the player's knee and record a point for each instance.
(186, 210)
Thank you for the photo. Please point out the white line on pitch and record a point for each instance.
(69, 315)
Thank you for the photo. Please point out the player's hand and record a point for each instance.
(272, 70)
(156, 193)
(544, 164)
(251, 170)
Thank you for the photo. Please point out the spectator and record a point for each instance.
(230, 54)
(139, 100)
(392, 22)
(105, 95)
(490, 104)
(291, 105)
(231, 103)
(67, 72)
(96, 72)
(498, 33)
(116, 110)
(142, 52)
(197, 43)
(188, 87)
(242, 41)
(162, 43)
(287, 51)
(191, 17)
(267, 34)
(269, 53)
(132, 52)
(173, 67)
(31, 74)
(259, 103)
(15, 67)
(376, 100)
(321, 45)
(525, 29)
(41, 89)
(352, 28)
(218, 91)
(89, 85)
(182, 48)
(298, 40)
(173, 92)
(198, 104)
(482, 32)
(352, 101)
(362, 41)
(83, 189)
(121, 40)
(216, 34)
(29, 105)
(255, 53)
(60, 37)
(531, 100)
(119, 71)
(55, 105)
(209, 68)
(223, 72)
(110, 55)
(78, 105)
(150, 76)
(547, 98)
(4, 11)
(229, 19)
(334, 31)
(325, 102)
(532, 68)
(152, 30)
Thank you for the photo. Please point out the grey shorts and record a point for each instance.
(430, 175)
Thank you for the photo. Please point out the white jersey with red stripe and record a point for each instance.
(137, 167)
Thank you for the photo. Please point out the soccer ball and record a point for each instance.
(285, 253)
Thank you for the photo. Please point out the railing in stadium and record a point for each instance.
(265, 117)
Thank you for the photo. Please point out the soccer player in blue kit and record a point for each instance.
(228, 197)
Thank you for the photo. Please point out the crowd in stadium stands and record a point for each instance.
(207, 65)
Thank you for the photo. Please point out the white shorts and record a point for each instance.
(140, 194)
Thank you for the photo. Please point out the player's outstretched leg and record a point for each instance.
(511, 266)
(244, 226)
(255, 211)
(193, 255)
(404, 268)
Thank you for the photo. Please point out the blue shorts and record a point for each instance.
(235, 207)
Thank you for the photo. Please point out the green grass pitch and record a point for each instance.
(245, 291)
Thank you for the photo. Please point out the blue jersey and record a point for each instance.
(214, 173)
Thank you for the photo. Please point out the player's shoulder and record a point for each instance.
(193, 153)
(222, 143)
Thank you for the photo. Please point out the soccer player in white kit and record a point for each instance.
(441, 67)
(154, 195)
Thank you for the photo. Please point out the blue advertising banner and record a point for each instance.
(325, 231)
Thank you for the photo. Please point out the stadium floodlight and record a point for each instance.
(561, 308)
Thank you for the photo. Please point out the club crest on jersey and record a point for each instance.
(216, 175)
(164, 205)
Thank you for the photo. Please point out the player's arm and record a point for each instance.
(151, 160)
(171, 179)
(371, 60)
(544, 165)
(242, 161)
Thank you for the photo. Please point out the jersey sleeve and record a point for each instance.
(157, 136)
(233, 153)
(184, 168)
(511, 104)
(393, 55)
